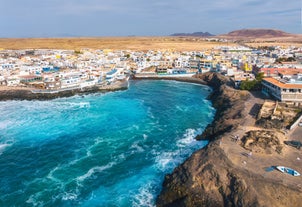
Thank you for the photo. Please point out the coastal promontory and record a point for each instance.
(225, 173)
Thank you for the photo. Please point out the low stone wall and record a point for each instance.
(294, 125)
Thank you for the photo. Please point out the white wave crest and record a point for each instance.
(167, 160)
(94, 170)
(135, 127)
(33, 200)
(186, 145)
(84, 104)
(69, 196)
(50, 175)
(4, 146)
(75, 105)
(135, 147)
(5, 124)
(145, 197)
(188, 138)
(145, 136)
(150, 114)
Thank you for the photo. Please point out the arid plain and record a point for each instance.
(114, 43)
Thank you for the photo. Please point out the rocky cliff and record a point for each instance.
(228, 102)
(209, 177)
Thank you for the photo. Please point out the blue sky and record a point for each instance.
(48, 18)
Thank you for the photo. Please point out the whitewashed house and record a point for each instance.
(70, 81)
(13, 81)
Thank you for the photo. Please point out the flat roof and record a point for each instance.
(112, 72)
(283, 85)
(281, 70)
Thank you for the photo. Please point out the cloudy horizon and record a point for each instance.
(55, 18)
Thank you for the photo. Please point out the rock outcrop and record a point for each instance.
(228, 102)
(209, 178)
(26, 94)
(266, 142)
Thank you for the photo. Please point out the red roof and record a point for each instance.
(283, 85)
(276, 71)
(29, 76)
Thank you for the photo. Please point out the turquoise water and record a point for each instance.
(100, 149)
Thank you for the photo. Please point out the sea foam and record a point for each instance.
(97, 169)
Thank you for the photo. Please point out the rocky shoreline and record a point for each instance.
(212, 176)
(27, 94)
(182, 79)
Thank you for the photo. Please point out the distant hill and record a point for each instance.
(258, 34)
(194, 34)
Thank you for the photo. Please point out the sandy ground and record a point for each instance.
(114, 43)
(259, 163)
(9, 88)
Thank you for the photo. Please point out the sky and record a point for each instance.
(57, 18)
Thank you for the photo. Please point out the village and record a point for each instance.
(45, 70)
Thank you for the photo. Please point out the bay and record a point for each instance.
(110, 149)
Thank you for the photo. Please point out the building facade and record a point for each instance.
(284, 91)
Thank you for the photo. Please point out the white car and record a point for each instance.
(300, 124)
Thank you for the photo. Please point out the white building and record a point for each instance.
(70, 81)
(282, 90)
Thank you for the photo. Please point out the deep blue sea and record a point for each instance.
(110, 149)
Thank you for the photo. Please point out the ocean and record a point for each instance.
(110, 149)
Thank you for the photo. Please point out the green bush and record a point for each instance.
(252, 85)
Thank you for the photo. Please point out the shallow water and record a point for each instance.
(100, 149)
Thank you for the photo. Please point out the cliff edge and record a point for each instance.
(222, 174)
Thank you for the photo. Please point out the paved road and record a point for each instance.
(297, 134)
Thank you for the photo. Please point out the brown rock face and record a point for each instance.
(229, 104)
(206, 179)
(209, 179)
(265, 142)
(26, 94)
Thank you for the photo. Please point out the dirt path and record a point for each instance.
(261, 163)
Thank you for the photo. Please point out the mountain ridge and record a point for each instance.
(194, 34)
(253, 33)
(258, 34)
